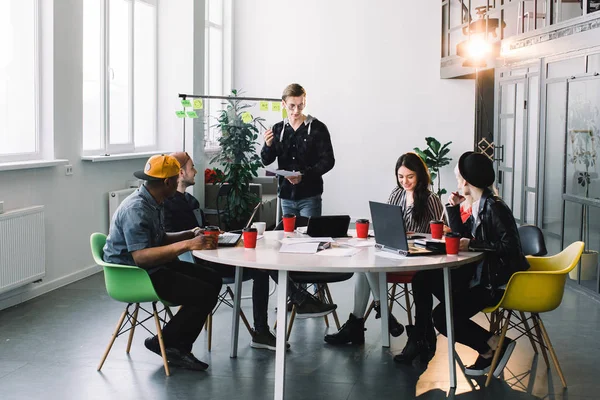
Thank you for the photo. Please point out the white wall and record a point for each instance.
(371, 71)
(77, 205)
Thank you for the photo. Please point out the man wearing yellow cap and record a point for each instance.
(137, 237)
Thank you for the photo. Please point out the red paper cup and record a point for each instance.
(250, 235)
(214, 231)
(452, 243)
(362, 228)
(289, 223)
(437, 229)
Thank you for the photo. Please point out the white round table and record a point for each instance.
(266, 255)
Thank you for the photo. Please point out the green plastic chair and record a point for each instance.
(131, 285)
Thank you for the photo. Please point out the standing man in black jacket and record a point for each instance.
(299, 143)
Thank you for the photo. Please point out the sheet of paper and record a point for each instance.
(283, 172)
(306, 239)
(302, 229)
(300, 248)
(339, 252)
(360, 243)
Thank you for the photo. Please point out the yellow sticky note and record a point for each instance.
(264, 106)
(180, 114)
(246, 117)
(192, 114)
(284, 113)
(186, 103)
(198, 105)
(276, 106)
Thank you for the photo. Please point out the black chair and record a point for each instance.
(532, 241)
(318, 280)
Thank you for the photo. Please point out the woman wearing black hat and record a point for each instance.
(492, 229)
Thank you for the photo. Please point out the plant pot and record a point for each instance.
(589, 266)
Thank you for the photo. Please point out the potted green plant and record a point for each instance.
(238, 158)
(435, 157)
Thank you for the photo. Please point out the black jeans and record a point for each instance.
(260, 289)
(466, 302)
(196, 289)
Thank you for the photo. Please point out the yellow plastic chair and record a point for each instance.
(539, 289)
(131, 285)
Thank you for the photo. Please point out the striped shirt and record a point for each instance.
(434, 210)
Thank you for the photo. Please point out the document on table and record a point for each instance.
(360, 243)
(339, 252)
(283, 172)
(303, 247)
(307, 239)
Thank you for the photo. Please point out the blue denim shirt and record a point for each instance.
(136, 225)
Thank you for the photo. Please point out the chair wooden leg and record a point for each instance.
(160, 340)
(551, 349)
(392, 297)
(497, 353)
(408, 308)
(369, 310)
(528, 330)
(114, 336)
(209, 330)
(133, 324)
(538, 332)
(242, 315)
(335, 316)
(291, 323)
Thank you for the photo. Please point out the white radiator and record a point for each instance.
(22, 247)
(115, 198)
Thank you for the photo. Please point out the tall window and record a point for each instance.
(217, 64)
(119, 76)
(19, 78)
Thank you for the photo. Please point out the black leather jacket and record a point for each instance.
(497, 235)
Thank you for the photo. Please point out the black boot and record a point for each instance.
(394, 327)
(413, 349)
(353, 331)
(430, 337)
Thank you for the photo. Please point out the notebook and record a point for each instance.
(232, 238)
(390, 234)
(328, 226)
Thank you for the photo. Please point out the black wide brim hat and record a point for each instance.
(477, 169)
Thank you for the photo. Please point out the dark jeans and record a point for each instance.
(466, 302)
(260, 289)
(196, 289)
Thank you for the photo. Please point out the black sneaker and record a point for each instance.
(265, 340)
(175, 357)
(481, 367)
(312, 307)
(507, 348)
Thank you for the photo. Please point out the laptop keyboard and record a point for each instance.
(228, 238)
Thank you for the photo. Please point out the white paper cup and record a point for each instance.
(260, 227)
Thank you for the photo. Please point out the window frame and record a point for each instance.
(40, 148)
(105, 80)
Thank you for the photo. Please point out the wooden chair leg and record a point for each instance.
(497, 353)
(160, 340)
(528, 330)
(369, 310)
(392, 296)
(291, 323)
(335, 316)
(543, 345)
(133, 325)
(408, 308)
(114, 336)
(551, 349)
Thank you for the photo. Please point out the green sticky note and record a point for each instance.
(180, 114)
(284, 113)
(264, 106)
(276, 106)
(198, 105)
(246, 117)
(192, 114)
(186, 103)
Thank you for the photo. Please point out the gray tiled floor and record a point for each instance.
(50, 347)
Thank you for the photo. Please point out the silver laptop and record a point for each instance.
(232, 238)
(390, 233)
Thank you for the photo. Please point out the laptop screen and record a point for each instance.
(388, 225)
